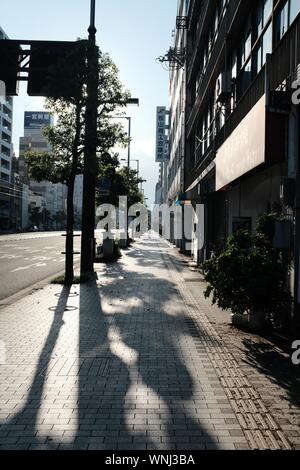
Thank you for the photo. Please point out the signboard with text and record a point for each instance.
(244, 149)
(37, 120)
(162, 142)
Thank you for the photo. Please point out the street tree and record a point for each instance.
(67, 137)
(120, 181)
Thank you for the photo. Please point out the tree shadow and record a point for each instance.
(24, 424)
(139, 348)
(132, 355)
(276, 365)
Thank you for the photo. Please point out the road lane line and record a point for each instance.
(24, 268)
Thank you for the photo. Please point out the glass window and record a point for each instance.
(282, 21)
(234, 66)
(268, 7)
(257, 60)
(267, 43)
(294, 10)
(248, 46)
(259, 21)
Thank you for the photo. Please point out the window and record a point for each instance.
(262, 16)
(294, 10)
(259, 21)
(257, 60)
(282, 22)
(268, 7)
(4, 177)
(267, 43)
(5, 164)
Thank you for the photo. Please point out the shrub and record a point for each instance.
(248, 276)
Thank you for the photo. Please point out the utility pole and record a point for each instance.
(129, 136)
(90, 160)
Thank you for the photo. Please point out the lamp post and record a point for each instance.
(133, 101)
(90, 163)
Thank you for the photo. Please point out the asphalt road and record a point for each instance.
(27, 259)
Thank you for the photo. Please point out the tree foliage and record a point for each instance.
(248, 276)
(67, 136)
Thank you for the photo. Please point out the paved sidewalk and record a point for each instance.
(129, 361)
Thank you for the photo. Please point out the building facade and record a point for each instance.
(34, 140)
(6, 153)
(241, 127)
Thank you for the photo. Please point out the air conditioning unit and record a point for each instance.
(223, 87)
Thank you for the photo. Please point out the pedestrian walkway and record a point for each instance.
(129, 361)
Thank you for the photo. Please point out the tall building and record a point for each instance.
(241, 155)
(177, 86)
(35, 141)
(6, 153)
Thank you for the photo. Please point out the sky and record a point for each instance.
(133, 32)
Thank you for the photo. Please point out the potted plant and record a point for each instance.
(247, 278)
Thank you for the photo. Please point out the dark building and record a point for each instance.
(242, 125)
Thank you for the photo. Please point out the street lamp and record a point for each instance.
(133, 101)
(129, 134)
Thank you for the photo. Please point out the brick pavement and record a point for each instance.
(129, 361)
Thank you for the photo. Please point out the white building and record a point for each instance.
(177, 96)
(6, 152)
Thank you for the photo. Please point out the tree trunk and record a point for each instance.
(69, 260)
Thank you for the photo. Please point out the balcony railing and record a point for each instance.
(248, 101)
(285, 59)
(215, 60)
(200, 24)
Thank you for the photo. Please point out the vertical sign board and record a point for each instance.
(162, 143)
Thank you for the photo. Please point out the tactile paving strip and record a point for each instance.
(260, 428)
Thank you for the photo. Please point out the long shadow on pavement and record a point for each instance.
(22, 428)
(134, 384)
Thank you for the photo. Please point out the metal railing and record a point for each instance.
(215, 59)
(285, 58)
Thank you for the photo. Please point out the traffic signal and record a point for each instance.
(43, 57)
(9, 66)
(35, 63)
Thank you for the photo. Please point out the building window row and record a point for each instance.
(4, 176)
(260, 36)
(5, 164)
(211, 40)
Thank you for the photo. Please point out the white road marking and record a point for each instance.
(10, 256)
(42, 258)
(24, 268)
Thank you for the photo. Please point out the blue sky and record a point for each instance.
(133, 32)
